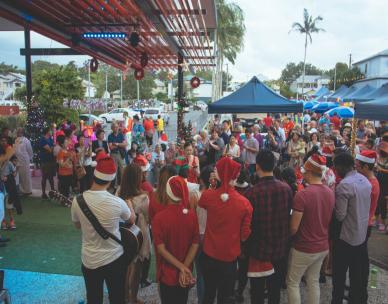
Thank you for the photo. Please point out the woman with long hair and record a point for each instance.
(193, 163)
(159, 197)
(130, 191)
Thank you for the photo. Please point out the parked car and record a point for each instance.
(117, 114)
(89, 118)
(154, 112)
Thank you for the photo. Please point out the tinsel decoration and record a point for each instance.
(34, 127)
(185, 132)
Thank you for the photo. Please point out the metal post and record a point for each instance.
(27, 45)
(227, 78)
(138, 90)
(180, 90)
(121, 89)
(89, 86)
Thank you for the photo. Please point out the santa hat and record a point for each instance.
(315, 163)
(227, 170)
(367, 156)
(142, 162)
(176, 189)
(106, 168)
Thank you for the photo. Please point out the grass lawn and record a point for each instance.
(45, 240)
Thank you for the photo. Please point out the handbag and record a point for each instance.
(131, 236)
(80, 171)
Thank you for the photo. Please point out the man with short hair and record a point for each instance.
(216, 147)
(103, 259)
(48, 166)
(312, 210)
(352, 205)
(225, 135)
(117, 144)
(271, 200)
(251, 147)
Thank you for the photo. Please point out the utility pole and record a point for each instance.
(138, 91)
(227, 77)
(350, 61)
(335, 76)
(89, 84)
(121, 89)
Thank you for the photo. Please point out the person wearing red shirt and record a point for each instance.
(176, 238)
(228, 224)
(149, 129)
(288, 126)
(268, 121)
(365, 162)
(312, 211)
(336, 121)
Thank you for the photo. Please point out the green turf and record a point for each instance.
(45, 240)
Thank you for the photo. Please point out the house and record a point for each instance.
(160, 87)
(89, 86)
(374, 68)
(9, 83)
(312, 83)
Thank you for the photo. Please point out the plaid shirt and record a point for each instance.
(271, 200)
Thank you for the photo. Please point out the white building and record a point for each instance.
(89, 86)
(312, 83)
(9, 83)
(375, 69)
(160, 87)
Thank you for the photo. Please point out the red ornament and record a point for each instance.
(144, 59)
(93, 65)
(139, 74)
(195, 82)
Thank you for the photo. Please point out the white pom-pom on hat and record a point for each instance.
(185, 211)
(224, 197)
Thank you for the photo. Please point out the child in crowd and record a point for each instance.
(10, 177)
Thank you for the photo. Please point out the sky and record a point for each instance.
(357, 27)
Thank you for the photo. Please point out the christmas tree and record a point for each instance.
(34, 127)
(185, 132)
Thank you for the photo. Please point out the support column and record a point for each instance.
(27, 45)
(180, 92)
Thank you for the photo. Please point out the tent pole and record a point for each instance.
(354, 134)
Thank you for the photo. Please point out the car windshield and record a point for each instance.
(151, 112)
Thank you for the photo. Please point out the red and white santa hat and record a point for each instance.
(106, 168)
(177, 190)
(315, 163)
(142, 162)
(228, 170)
(367, 156)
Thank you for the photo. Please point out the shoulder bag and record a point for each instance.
(131, 236)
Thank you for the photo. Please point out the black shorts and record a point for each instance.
(48, 169)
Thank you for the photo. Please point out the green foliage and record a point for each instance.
(230, 29)
(161, 97)
(13, 122)
(226, 79)
(292, 71)
(309, 25)
(283, 87)
(9, 68)
(344, 75)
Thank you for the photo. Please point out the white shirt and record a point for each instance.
(109, 210)
(233, 151)
(23, 150)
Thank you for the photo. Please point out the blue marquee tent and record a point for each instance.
(321, 92)
(359, 92)
(373, 110)
(374, 94)
(254, 97)
(333, 97)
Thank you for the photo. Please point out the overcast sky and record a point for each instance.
(359, 27)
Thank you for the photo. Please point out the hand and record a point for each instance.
(185, 277)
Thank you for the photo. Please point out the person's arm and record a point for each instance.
(132, 217)
(246, 222)
(9, 152)
(296, 219)
(342, 196)
(215, 147)
(123, 144)
(191, 255)
(29, 149)
(74, 215)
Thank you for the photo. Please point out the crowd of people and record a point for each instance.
(276, 203)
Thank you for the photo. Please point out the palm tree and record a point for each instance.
(229, 38)
(309, 26)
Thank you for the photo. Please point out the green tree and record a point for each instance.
(308, 27)
(229, 39)
(226, 80)
(9, 68)
(292, 71)
(343, 75)
(145, 86)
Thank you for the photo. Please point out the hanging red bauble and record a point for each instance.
(195, 82)
(139, 74)
(93, 65)
(144, 59)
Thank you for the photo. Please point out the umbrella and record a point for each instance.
(342, 112)
(309, 104)
(324, 106)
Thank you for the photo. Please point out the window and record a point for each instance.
(152, 112)
(17, 84)
(366, 69)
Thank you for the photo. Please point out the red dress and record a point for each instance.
(192, 174)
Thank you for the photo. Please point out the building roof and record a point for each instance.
(9, 77)
(380, 54)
